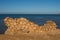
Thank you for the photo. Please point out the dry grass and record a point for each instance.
(41, 36)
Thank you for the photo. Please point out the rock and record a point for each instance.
(22, 25)
(51, 25)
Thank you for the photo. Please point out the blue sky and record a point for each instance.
(30, 6)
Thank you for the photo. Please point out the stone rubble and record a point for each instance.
(22, 25)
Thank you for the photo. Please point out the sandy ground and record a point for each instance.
(35, 36)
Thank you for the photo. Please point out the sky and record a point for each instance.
(30, 6)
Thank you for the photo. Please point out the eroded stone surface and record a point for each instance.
(22, 25)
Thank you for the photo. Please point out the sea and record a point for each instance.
(39, 19)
